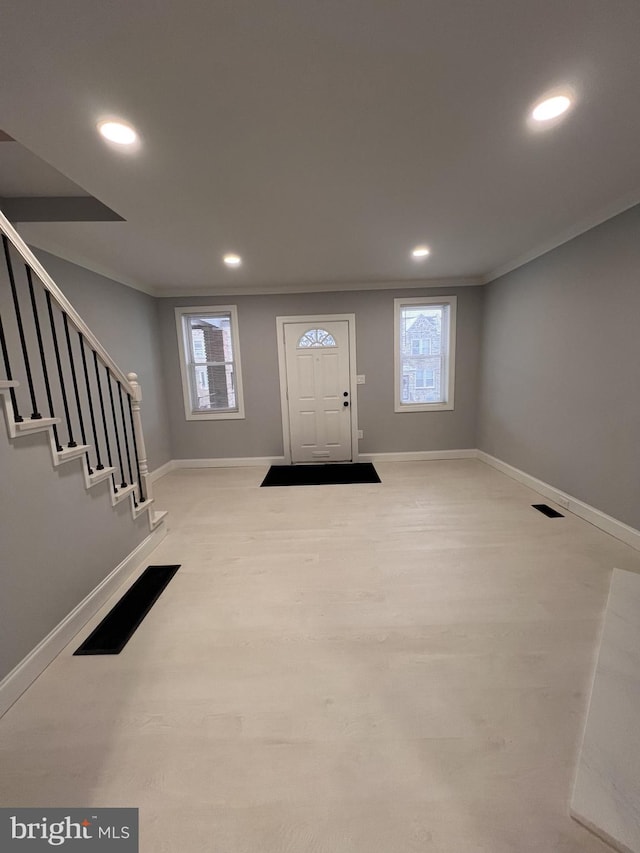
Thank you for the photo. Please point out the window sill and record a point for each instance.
(424, 407)
(214, 416)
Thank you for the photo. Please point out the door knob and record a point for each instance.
(346, 403)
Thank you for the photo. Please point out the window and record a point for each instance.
(210, 362)
(316, 338)
(425, 377)
(421, 346)
(425, 343)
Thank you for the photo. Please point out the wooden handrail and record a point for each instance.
(7, 228)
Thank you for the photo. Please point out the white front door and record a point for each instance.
(318, 377)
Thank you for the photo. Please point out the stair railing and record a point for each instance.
(90, 403)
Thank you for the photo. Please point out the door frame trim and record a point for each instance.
(282, 371)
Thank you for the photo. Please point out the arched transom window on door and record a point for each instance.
(316, 338)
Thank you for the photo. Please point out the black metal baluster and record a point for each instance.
(126, 441)
(104, 418)
(74, 379)
(35, 414)
(71, 442)
(135, 450)
(123, 484)
(7, 366)
(43, 360)
(99, 466)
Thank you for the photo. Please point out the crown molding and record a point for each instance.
(628, 201)
(85, 263)
(323, 287)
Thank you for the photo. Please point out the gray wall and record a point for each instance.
(260, 433)
(58, 542)
(125, 321)
(552, 388)
(561, 368)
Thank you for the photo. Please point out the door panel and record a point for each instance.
(330, 375)
(333, 421)
(318, 375)
(306, 377)
(308, 430)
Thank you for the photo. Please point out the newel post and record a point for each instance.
(141, 451)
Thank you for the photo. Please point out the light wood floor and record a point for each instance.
(337, 669)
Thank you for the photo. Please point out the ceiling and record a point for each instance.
(23, 175)
(33, 191)
(322, 140)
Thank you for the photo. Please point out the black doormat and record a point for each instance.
(119, 625)
(548, 511)
(321, 475)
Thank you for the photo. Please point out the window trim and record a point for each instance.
(282, 370)
(450, 362)
(183, 349)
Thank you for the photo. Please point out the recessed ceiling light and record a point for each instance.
(420, 252)
(551, 108)
(118, 132)
(232, 260)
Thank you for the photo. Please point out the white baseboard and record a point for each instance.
(600, 833)
(618, 529)
(229, 462)
(257, 461)
(417, 455)
(25, 673)
(162, 470)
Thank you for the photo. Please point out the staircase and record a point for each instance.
(61, 380)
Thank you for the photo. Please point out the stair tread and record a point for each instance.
(38, 423)
(30, 423)
(123, 492)
(72, 452)
(142, 507)
(101, 474)
(157, 516)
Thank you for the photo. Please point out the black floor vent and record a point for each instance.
(119, 625)
(548, 511)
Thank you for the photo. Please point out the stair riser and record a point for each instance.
(125, 382)
(58, 458)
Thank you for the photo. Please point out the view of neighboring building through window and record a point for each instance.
(210, 365)
(421, 330)
(425, 377)
(212, 362)
(424, 332)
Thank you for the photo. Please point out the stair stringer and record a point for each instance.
(17, 429)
